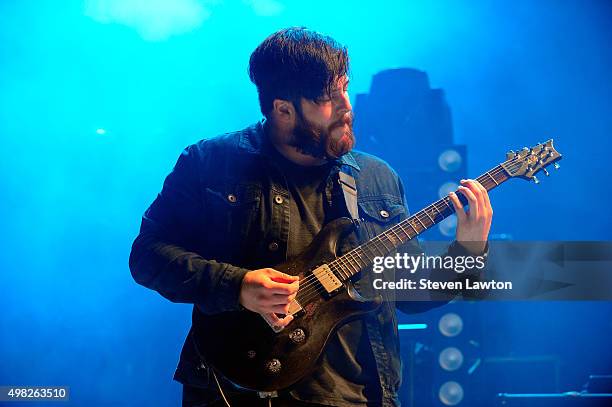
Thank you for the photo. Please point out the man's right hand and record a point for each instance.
(268, 291)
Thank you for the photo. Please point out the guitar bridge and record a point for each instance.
(272, 318)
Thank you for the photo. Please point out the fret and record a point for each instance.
(412, 227)
(437, 210)
(396, 235)
(363, 262)
(346, 266)
(401, 226)
(350, 263)
(422, 224)
(383, 240)
(432, 221)
(374, 240)
(338, 266)
(445, 200)
(358, 259)
(365, 250)
(500, 173)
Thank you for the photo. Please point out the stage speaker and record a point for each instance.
(408, 124)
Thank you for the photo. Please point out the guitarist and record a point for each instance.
(237, 204)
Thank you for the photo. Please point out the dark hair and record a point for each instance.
(296, 62)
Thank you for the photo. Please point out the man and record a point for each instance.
(237, 204)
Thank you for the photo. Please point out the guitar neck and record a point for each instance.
(386, 242)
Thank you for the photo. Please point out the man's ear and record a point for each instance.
(283, 111)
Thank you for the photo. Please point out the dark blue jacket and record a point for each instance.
(218, 216)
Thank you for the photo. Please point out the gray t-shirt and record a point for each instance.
(346, 375)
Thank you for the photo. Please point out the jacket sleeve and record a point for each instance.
(455, 249)
(160, 258)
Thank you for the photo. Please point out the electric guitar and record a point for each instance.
(250, 351)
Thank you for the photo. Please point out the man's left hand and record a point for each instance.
(473, 224)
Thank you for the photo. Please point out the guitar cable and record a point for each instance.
(220, 389)
(208, 369)
(223, 394)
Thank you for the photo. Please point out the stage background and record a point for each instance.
(98, 98)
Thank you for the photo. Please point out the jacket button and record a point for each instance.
(384, 213)
(278, 199)
(231, 198)
(273, 246)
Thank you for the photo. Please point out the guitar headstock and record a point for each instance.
(527, 162)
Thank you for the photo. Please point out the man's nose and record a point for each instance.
(345, 104)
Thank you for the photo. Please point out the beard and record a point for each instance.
(328, 142)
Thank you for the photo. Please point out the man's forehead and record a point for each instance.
(339, 83)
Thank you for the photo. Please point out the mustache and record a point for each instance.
(346, 119)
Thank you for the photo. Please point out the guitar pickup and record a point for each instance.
(327, 278)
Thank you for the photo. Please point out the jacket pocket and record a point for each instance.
(382, 212)
(379, 214)
(232, 211)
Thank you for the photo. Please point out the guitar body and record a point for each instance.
(245, 349)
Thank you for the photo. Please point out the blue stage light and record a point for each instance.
(411, 326)
(154, 20)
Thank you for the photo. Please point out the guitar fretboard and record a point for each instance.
(386, 242)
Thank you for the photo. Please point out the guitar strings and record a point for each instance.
(313, 286)
(356, 257)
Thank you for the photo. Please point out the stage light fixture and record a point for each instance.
(449, 160)
(450, 325)
(450, 359)
(451, 393)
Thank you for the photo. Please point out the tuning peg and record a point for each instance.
(536, 180)
(510, 154)
(557, 166)
(545, 171)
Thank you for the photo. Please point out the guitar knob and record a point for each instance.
(536, 180)
(557, 166)
(297, 335)
(545, 171)
(273, 366)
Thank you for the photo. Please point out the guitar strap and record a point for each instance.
(349, 190)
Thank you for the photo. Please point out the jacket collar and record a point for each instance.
(253, 140)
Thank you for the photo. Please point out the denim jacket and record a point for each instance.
(224, 211)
